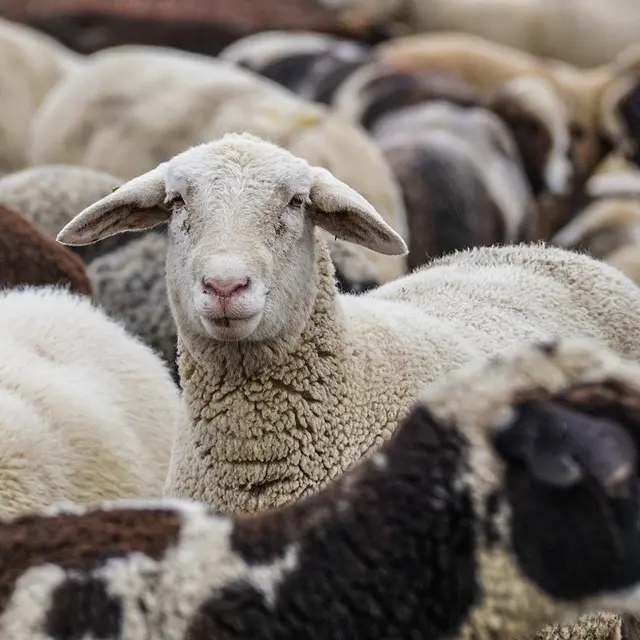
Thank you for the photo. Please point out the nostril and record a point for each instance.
(224, 287)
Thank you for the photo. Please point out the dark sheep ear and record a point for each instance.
(133, 206)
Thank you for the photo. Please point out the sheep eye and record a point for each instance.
(175, 200)
(296, 202)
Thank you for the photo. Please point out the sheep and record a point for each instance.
(286, 383)
(312, 65)
(607, 222)
(32, 64)
(129, 285)
(619, 105)
(443, 533)
(377, 89)
(118, 92)
(200, 27)
(49, 196)
(88, 412)
(28, 257)
(528, 103)
(488, 65)
(462, 179)
(547, 28)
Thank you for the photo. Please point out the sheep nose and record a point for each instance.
(224, 287)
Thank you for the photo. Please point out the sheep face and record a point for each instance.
(241, 215)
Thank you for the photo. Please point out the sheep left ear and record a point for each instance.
(345, 214)
(134, 206)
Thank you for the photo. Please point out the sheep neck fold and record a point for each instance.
(262, 415)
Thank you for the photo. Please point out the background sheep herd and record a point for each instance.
(463, 292)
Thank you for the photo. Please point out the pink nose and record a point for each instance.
(225, 288)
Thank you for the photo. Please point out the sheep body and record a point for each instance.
(51, 195)
(88, 412)
(359, 363)
(121, 96)
(32, 64)
(450, 492)
(28, 257)
(310, 64)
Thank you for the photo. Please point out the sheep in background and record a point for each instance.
(202, 27)
(548, 28)
(619, 105)
(312, 65)
(88, 412)
(607, 226)
(437, 536)
(462, 179)
(130, 286)
(121, 97)
(49, 196)
(29, 257)
(488, 65)
(32, 64)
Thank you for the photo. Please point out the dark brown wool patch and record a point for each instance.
(81, 606)
(81, 543)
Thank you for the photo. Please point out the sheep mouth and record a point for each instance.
(230, 322)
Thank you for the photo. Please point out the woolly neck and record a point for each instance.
(261, 419)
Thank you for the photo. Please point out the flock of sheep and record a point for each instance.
(346, 336)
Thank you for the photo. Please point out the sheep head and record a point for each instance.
(241, 216)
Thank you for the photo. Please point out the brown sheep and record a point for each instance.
(29, 257)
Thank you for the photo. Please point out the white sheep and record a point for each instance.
(31, 64)
(51, 195)
(286, 383)
(117, 115)
(87, 411)
(439, 535)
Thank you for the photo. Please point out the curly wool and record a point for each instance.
(270, 423)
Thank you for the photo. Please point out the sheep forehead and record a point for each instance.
(236, 164)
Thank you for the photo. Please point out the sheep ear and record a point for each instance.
(134, 206)
(345, 214)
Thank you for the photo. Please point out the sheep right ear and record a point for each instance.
(136, 205)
